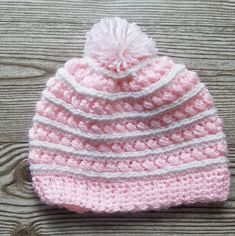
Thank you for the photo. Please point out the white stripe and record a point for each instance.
(111, 96)
(124, 135)
(124, 115)
(119, 75)
(104, 155)
(40, 168)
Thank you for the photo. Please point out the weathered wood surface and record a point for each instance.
(38, 36)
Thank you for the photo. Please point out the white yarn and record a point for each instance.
(123, 135)
(121, 115)
(119, 75)
(62, 74)
(45, 168)
(112, 155)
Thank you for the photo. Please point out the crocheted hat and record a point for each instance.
(126, 129)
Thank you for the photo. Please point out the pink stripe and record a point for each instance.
(177, 158)
(200, 103)
(85, 77)
(180, 85)
(211, 125)
(209, 184)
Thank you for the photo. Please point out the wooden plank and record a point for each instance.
(48, 44)
(37, 37)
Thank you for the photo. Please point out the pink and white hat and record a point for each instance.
(125, 129)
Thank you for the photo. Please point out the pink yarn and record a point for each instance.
(123, 129)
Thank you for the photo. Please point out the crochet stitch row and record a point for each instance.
(202, 102)
(82, 194)
(194, 153)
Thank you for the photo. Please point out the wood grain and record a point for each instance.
(38, 36)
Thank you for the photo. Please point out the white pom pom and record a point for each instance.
(117, 44)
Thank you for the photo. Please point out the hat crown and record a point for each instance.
(118, 45)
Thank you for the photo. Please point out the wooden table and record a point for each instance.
(38, 36)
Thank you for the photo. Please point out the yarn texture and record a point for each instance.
(123, 129)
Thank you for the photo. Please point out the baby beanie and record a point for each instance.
(125, 129)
